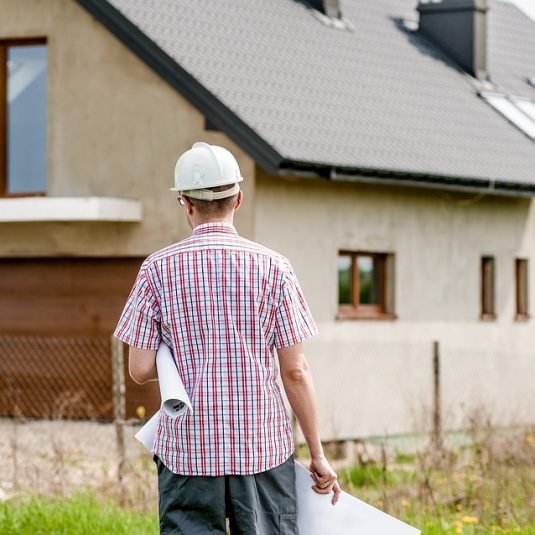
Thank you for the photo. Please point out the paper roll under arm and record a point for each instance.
(147, 433)
(175, 400)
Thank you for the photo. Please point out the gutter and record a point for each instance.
(487, 186)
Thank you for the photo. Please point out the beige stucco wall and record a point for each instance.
(375, 377)
(115, 129)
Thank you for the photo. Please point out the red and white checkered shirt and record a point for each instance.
(222, 304)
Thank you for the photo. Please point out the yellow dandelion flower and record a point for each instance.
(467, 519)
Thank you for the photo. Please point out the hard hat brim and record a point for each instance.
(208, 194)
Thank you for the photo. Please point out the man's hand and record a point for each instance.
(325, 478)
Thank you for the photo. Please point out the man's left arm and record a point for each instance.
(142, 365)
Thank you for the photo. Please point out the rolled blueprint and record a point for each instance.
(175, 400)
(317, 516)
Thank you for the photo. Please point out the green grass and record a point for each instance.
(371, 475)
(364, 475)
(83, 514)
(78, 515)
(456, 526)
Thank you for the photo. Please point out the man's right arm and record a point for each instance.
(299, 387)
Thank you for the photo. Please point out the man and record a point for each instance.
(223, 304)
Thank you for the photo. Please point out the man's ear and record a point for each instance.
(188, 205)
(238, 200)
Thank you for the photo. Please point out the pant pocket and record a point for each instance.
(288, 524)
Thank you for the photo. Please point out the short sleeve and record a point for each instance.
(139, 324)
(293, 321)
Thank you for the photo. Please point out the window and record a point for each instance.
(488, 284)
(23, 117)
(365, 285)
(517, 110)
(522, 308)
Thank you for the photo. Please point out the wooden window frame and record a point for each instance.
(355, 310)
(4, 45)
(522, 289)
(486, 314)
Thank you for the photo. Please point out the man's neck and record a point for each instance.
(229, 219)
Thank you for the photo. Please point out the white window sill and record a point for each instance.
(29, 209)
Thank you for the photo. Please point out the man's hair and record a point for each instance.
(216, 208)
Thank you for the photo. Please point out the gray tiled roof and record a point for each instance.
(511, 49)
(379, 98)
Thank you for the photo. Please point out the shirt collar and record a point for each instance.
(214, 227)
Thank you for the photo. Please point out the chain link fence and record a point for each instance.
(55, 378)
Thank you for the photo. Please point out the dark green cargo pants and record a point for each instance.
(259, 504)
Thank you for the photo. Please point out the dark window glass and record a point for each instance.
(26, 118)
(344, 280)
(487, 286)
(522, 308)
(369, 280)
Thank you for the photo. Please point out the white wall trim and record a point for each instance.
(29, 209)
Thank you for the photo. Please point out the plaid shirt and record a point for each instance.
(222, 304)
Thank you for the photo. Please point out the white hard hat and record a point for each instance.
(206, 166)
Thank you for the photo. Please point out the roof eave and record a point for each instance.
(425, 180)
(165, 66)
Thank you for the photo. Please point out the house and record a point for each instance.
(388, 151)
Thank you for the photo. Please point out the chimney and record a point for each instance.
(459, 27)
(331, 8)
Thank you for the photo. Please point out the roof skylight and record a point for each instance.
(517, 110)
(527, 106)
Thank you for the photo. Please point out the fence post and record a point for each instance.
(437, 419)
(119, 406)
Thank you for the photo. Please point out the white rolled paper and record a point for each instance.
(350, 516)
(175, 400)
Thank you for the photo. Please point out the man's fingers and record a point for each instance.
(334, 487)
(337, 491)
(322, 490)
(324, 480)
